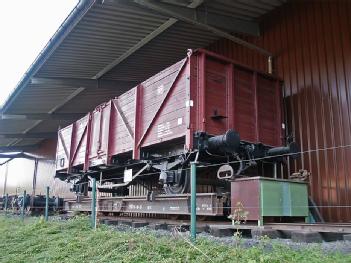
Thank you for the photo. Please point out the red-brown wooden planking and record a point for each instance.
(63, 150)
(164, 100)
(71, 145)
(122, 136)
(79, 143)
(244, 104)
(99, 134)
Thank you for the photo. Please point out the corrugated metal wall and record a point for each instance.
(20, 177)
(21, 171)
(312, 44)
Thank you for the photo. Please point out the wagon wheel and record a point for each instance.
(183, 185)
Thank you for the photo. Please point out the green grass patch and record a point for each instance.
(74, 241)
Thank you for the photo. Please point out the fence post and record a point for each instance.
(47, 203)
(23, 203)
(193, 201)
(6, 203)
(93, 205)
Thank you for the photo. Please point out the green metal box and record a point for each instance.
(267, 197)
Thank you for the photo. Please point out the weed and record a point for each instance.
(74, 241)
(239, 215)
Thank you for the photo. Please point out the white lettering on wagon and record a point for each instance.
(160, 89)
(164, 129)
(189, 103)
(180, 121)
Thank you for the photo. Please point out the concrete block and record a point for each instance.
(103, 221)
(183, 228)
(180, 228)
(111, 222)
(171, 227)
(285, 233)
(125, 222)
(221, 232)
(200, 229)
(261, 232)
(158, 226)
(306, 237)
(63, 217)
(347, 237)
(332, 236)
(139, 224)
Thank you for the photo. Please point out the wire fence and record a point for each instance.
(202, 165)
(99, 202)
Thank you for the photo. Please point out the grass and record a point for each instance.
(74, 241)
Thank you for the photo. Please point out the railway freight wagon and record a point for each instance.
(206, 108)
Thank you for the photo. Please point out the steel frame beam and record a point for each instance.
(227, 23)
(208, 204)
(42, 116)
(168, 10)
(137, 46)
(24, 148)
(144, 41)
(37, 135)
(85, 83)
(59, 105)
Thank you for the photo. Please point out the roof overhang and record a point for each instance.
(106, 47)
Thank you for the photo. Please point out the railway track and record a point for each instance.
(320, 227)
(168, 221)
(298, 232)
(211, 225)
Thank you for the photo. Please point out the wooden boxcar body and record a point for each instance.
(203, 92)
(204, 108)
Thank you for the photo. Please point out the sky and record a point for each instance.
(25, 28)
